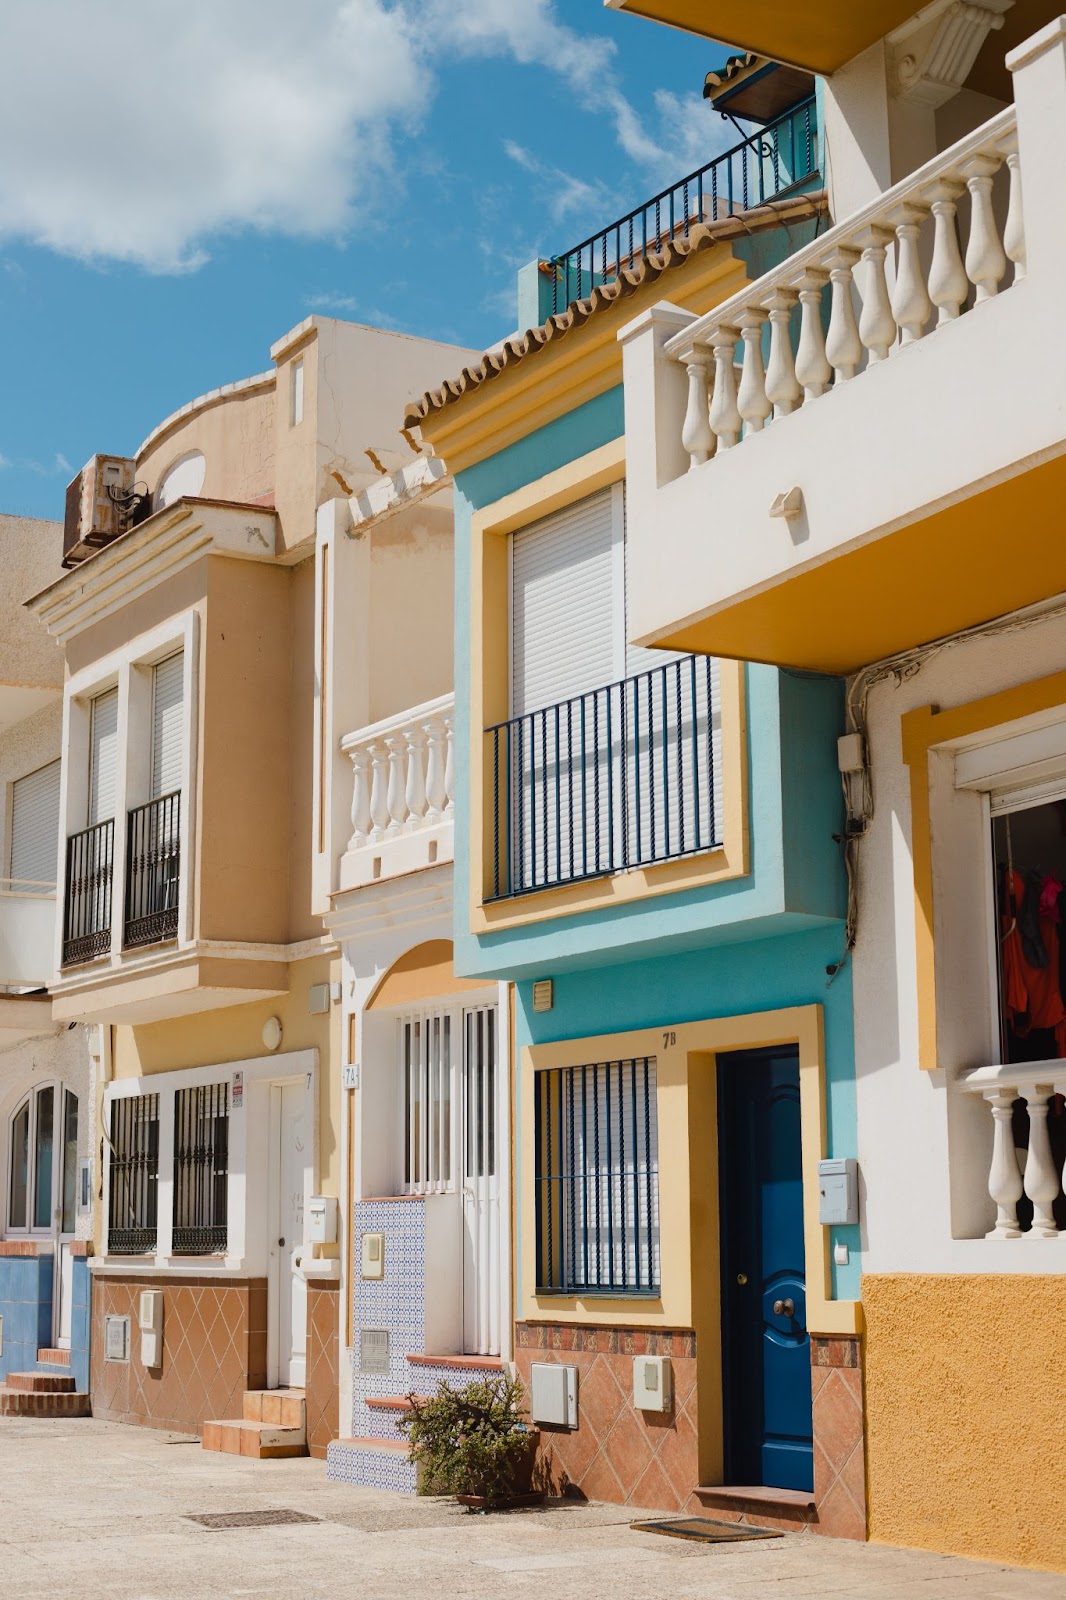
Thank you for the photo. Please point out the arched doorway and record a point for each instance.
(42, 1197)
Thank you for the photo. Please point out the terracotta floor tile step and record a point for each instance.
(392, 1447)
(392, 1402)
(757, 1500)
(470, 1363)
(54, 1358)
(23, 1403)
(282, 1408)
(259, 1440)
(40, 1382)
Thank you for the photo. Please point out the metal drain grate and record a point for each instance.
(248, 1519)
(704, 1529)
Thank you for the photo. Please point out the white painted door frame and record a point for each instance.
(282, 1270)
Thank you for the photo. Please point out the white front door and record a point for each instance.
(290, 1139)
(480, 1183)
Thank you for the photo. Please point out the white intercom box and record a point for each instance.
(372, 1255)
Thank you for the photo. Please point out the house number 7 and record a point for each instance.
(669, 1038)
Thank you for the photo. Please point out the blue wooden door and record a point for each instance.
(766, 1362)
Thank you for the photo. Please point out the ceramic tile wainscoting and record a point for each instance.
(617, 1453)
(214, 1348)
(323, 1300)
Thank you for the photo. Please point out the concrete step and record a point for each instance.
(32, 1403)
(40, 1382)
(283, 1408)
(53, 1358)
(262, 1441)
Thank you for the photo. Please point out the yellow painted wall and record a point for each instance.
(966, 1428)
(236, 1034)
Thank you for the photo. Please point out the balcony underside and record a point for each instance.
(23, 1016)
(970, 562)
(176, 987)
(820, 38)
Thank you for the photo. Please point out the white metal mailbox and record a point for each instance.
(838, 1191)
(553, 1394)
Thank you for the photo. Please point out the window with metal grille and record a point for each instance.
(597, 1179)
(426, 1049)
(133, 1180)
(201, 1169)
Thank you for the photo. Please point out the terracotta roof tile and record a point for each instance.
(702, 236)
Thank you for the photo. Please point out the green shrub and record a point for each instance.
(472, 1440)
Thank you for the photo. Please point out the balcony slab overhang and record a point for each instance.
(818, 37)
(24, 1016)
(179, 985)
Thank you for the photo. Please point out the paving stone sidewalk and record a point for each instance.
(94, 1510)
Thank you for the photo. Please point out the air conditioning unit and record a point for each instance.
(102, 502)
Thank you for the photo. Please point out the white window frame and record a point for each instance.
(129, 669)
(60, 1091)
(248, 1169)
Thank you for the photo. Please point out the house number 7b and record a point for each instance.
(669, 1038)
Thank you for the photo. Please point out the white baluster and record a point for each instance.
(985, 259)
(843, 347)
(752, 400)
(911, 305)
(415, 793)
(1004, 1178)
(812, 366)
(782, 387)
(1041, 1175)
(948, 284)
(379, 789)
(361, 818)
(1014, 229)
(395, 795)
(877, 325)
(436, 795)
(449, 766)
(725, 417)
(697, 436)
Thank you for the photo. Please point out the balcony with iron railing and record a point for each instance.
(777, 160)
(152, 877)
(621, 777)
(403, 794)
(820, 470)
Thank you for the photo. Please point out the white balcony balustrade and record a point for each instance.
(1018, 1174)
(403, 797)
(27, 932)
(871, 315)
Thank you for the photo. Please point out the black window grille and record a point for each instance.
(133, 1184)
(201, 1169)
(153, 871)
(616, 778)
(87, 894)
(597, 1179)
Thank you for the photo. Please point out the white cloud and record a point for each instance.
(5, 461)
(58, 467)
(331, 301)
(136, 132)
(142, 132)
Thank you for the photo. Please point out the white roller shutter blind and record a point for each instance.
(564, 627)
(167, 725)
(35, 829)
(103, 757)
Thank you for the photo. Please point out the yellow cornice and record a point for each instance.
(578, 366)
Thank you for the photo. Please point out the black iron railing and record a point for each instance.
(153, 871)
(770, 162)
(201, 1169)
(620, 777)
(597, 1179)
(87, 893)
(133, 1182)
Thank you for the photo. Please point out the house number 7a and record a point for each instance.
(669, 1038)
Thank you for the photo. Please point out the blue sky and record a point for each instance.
(166, 212)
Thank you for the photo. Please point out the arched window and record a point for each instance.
(43, 1167)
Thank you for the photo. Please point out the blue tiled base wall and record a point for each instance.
(26, 1307)
(395, 1302)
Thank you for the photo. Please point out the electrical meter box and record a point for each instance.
(372, 1255)
(553, 1394)
(653, 1386)
(838, 1191)
(150, 1323)
(321, 1219)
